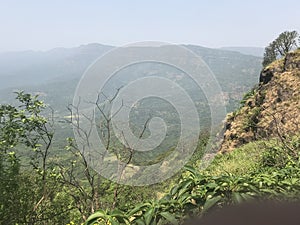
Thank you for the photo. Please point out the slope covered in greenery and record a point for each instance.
(259, 160)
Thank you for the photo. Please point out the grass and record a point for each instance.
(240, 161)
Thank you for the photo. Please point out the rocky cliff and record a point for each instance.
(272, 109)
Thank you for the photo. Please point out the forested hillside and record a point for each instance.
(262, 141)
(258, 159)
(54, 74)
(150, 112)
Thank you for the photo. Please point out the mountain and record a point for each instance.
(32, 68)
(255, 51)
(272, 109)
(54, 74)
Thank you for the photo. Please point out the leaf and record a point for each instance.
(116, 212)
(113, 222)
(138, 208)
(139, 222)
(211, 202)
(169, 217)
(185, 197)
(149, 216)
(211, 185)
(119, 215)
(190, 169)
(253, 188)
(95, 216)
(174, 190)
(184, 186)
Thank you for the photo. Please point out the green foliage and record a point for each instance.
(17, 125)
(240, 161)
(28, 196)
(269, 55)
(22, 124)
(104, 217)
(250, 123)
(248, 95)
(284, 43)
(39, 195)
(200, 192)
(281, 153)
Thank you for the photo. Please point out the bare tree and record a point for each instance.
(87, 195)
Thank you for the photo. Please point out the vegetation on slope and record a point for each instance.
(270, 110)
(265, 164)
(276, 175)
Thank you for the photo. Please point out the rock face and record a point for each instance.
(265, 76)
(270, 110)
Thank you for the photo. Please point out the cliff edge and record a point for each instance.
(272, 109)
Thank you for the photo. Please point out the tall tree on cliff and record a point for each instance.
(278, 48)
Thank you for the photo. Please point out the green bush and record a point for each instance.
(200, 192)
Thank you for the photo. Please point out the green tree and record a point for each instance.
(278, 48)
(285, 42)
(31, 196)
(269, 55)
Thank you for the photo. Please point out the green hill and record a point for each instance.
(54, 74)
(258, 160)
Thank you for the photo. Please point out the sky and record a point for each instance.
(43, 25)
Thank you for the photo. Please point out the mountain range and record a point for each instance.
(54, 74)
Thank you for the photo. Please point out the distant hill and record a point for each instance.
(36, 67)
(255, 51)
(54, 74)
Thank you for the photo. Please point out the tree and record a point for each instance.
(269, 55)
(31, 195)
(284, 43)
(89, 190)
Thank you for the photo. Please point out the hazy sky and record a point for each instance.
(42, 25)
